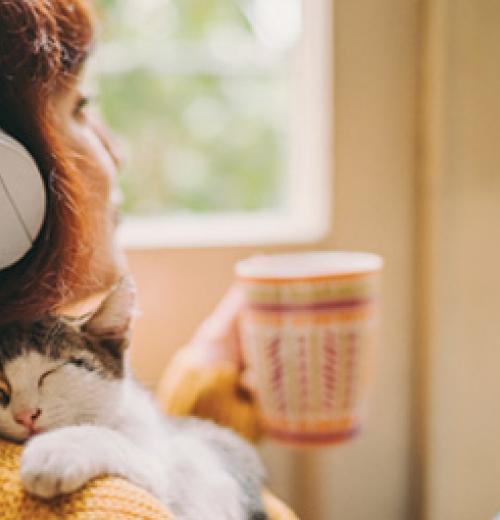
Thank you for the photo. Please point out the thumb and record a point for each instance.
(219, 333)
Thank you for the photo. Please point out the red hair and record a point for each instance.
(43, 45)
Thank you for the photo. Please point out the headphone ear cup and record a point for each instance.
(8, 141)
(22, 201)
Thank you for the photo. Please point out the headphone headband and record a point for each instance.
(22, 201)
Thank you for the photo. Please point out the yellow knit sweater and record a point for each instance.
(184, 389)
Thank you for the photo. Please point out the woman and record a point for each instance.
(43, 47)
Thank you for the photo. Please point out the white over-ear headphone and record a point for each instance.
(22, 201)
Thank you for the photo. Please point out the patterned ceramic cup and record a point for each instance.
(308, 331)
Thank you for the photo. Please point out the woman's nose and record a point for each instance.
(28, 417)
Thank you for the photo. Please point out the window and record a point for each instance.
(222, 105)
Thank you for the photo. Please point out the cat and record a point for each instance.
(67, 392)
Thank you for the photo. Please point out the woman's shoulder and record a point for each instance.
(106, 497)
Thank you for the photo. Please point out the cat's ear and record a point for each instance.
(111, 321)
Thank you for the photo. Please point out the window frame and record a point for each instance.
(307, 214)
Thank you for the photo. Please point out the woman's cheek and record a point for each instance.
(108, 141)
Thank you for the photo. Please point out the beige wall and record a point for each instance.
(462, 237)
(416, 178)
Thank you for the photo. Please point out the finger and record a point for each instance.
(248, 381)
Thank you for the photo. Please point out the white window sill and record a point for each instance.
(221, 230)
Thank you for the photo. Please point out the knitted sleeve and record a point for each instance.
(102, 499)
(208, 391)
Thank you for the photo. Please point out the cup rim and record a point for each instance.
(347, 264)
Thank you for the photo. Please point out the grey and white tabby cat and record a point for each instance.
(65, 390)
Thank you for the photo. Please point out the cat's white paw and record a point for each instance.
(53, 464)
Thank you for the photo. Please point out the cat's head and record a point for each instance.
(59, 372)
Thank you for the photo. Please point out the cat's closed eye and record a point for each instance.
(81, 363)
(44, 375)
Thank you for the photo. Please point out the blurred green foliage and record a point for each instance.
(202, 133)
